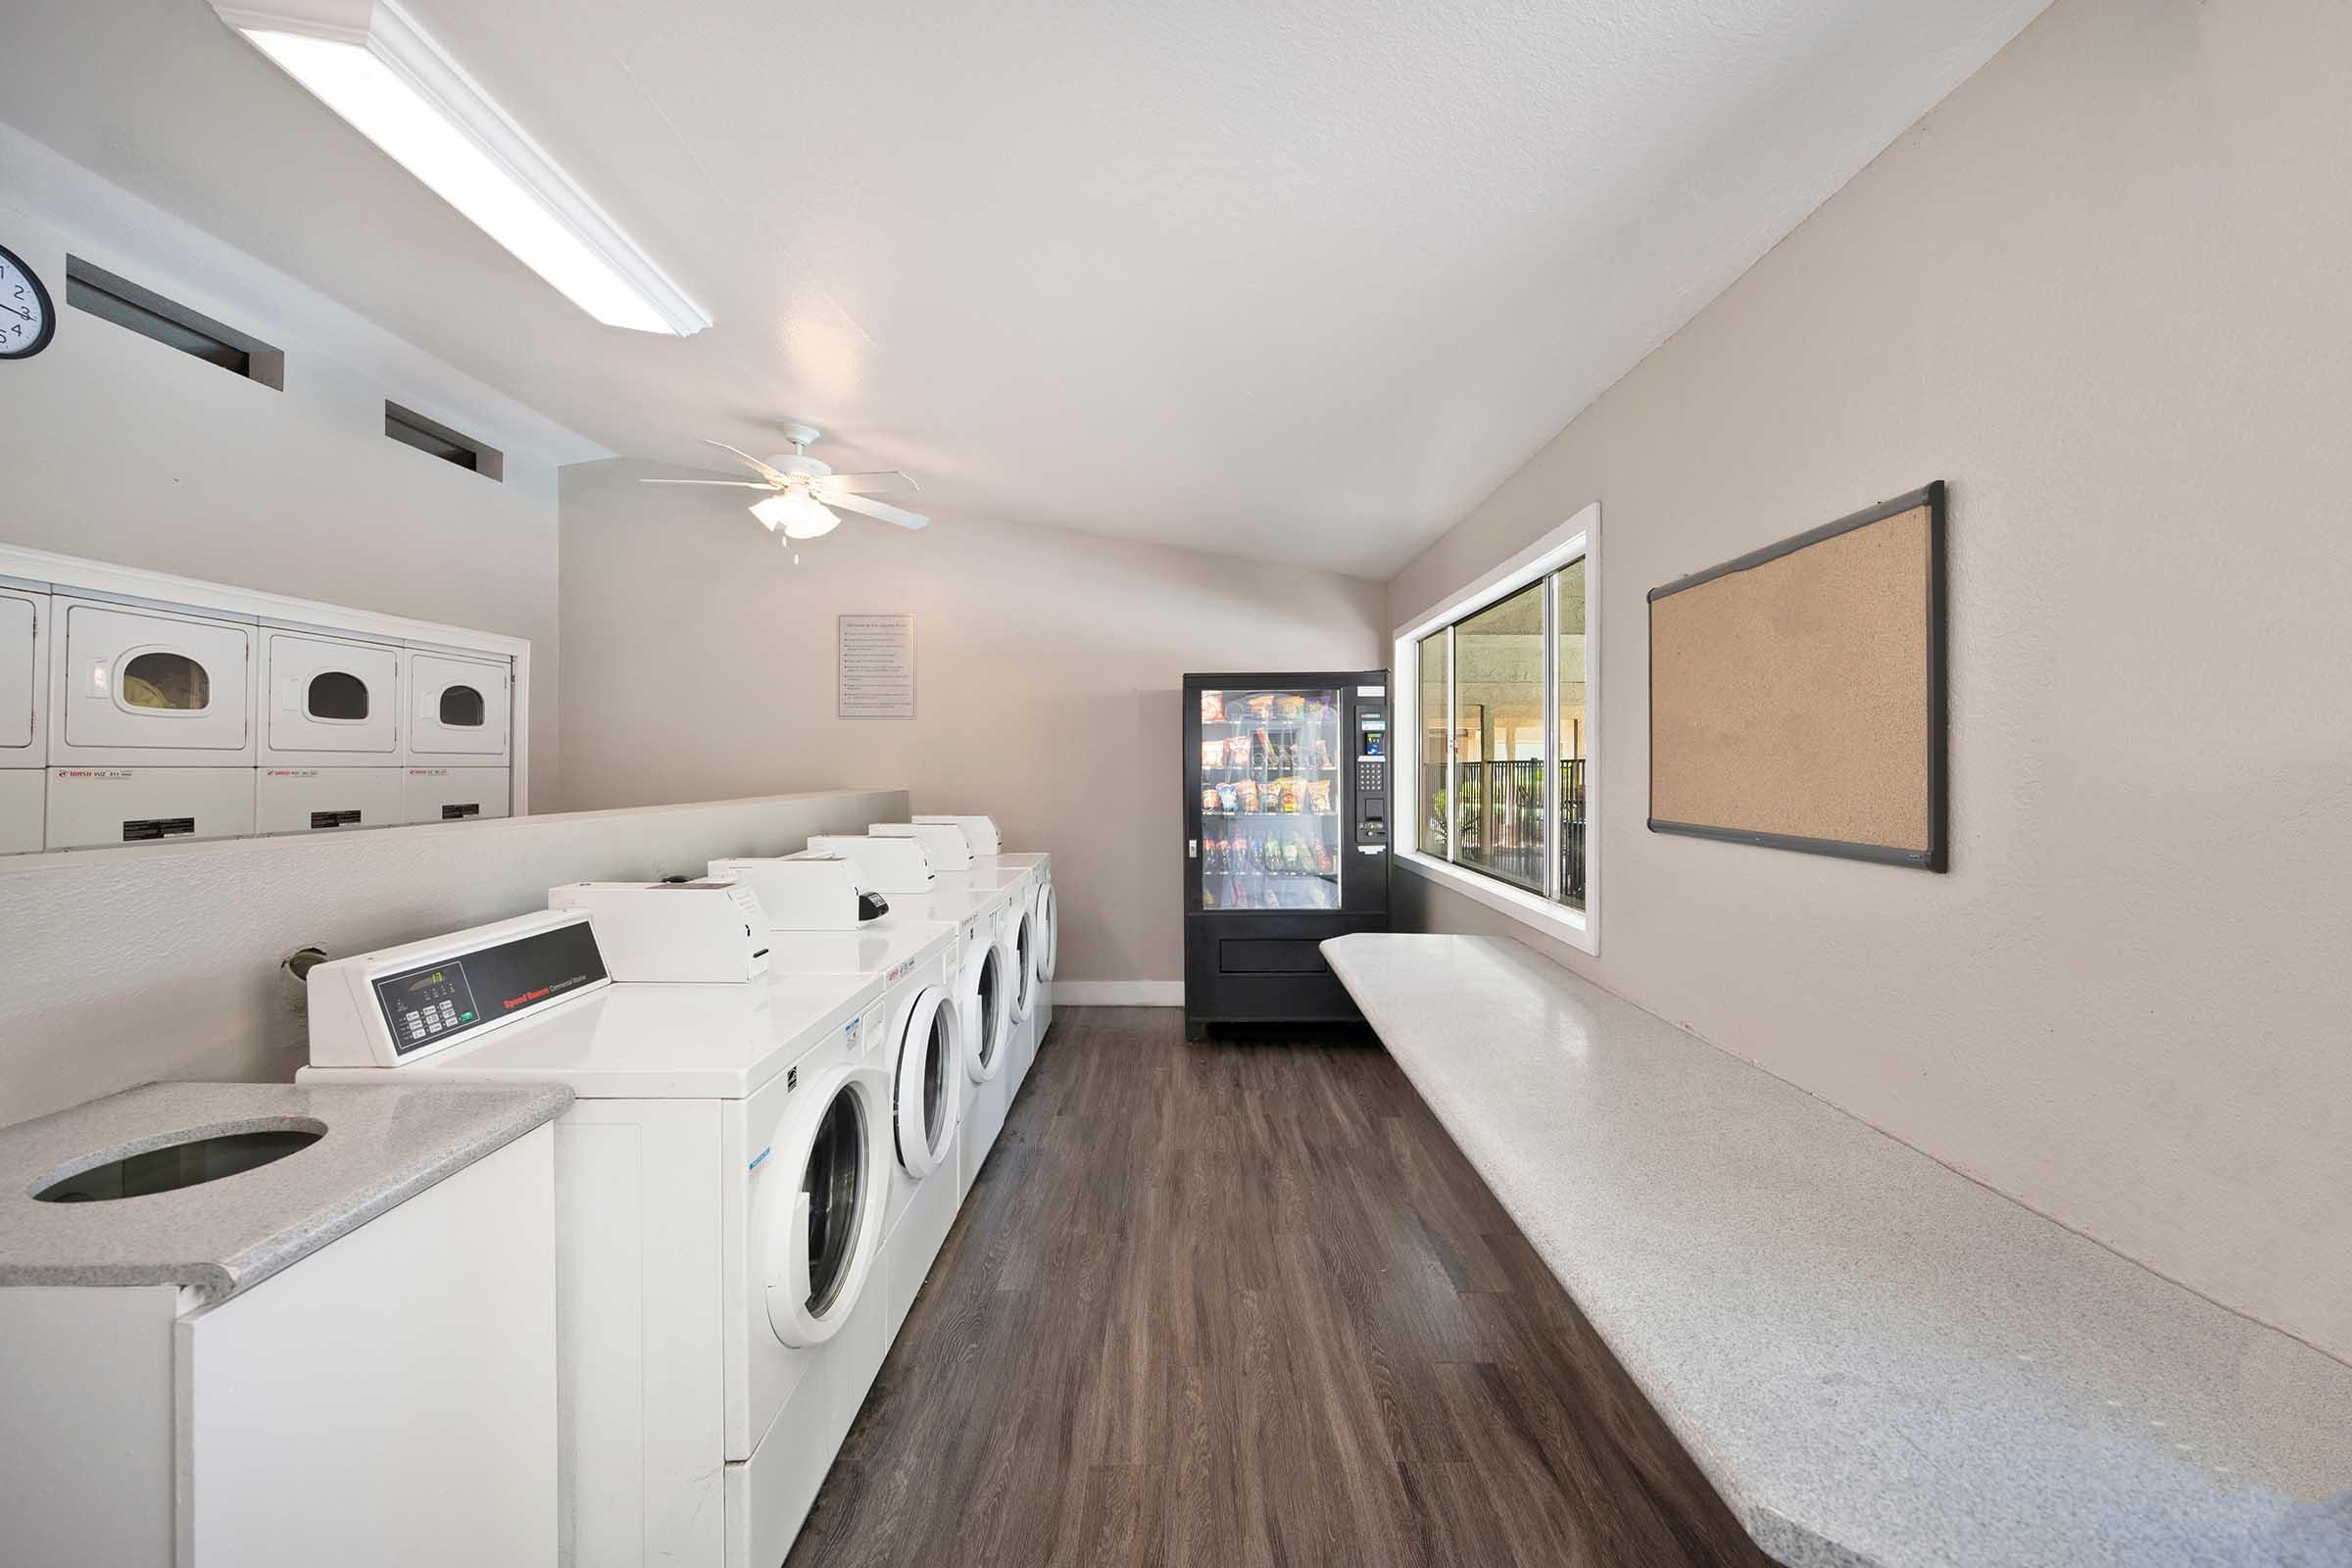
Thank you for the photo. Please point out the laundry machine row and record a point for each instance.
(127, 721)
(781, 1092)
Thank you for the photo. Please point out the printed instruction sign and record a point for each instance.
(875, 656)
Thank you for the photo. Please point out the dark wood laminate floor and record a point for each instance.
(1242, 1303)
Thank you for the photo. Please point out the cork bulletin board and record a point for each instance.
(1796, 695)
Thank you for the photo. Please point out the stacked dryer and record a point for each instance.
(341, 747)
(151, 732)
(459, 750)
(165, 722)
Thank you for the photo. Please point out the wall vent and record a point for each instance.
(411, 428)
(166, 321)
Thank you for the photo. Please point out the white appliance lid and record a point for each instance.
(876, 948)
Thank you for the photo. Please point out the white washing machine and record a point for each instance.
(1031, 875)
(459, 750)
(919, 1046)
(151, 726)
(984, 990)
(23, 708)
(720, 1191)
(820, 891)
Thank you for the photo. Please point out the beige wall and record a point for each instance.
(699, 662)
(2102, 290)
(125, 451)
(164, 961)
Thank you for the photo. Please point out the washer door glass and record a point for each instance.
(990, 1012)
(834, 1181)
(936, 1053)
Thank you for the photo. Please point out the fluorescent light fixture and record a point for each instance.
(370, 63)
(800, 514)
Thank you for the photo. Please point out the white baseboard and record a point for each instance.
(1119, 993)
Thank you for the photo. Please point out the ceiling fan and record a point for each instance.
(803, 492)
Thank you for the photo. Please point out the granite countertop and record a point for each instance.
(1877, 1360)
(383, 1145)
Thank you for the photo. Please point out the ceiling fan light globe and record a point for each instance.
(806, 517)
(771, 512)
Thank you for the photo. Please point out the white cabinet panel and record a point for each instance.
(22, 808)
(453, 793)
(91, 806)
(308, 800)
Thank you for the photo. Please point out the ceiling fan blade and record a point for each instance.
(880, 511)
(732, 484)
(865, 484)
(756, 465)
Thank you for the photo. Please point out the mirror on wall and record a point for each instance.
(137, 709)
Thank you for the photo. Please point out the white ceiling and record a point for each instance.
(1301, 281)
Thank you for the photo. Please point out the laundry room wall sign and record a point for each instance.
(875, 656)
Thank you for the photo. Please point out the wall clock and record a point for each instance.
(28, 320)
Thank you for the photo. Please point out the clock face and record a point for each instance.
(26, 317)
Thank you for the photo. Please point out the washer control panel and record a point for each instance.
(385, 1008)
(432, 1004)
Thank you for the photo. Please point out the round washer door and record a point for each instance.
(821, 1209)
(1024, 964)
(1049, 932)
(926, 1086)
(988, 1004)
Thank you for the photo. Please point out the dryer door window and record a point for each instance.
(336, 696)
(834, 1182)
(169, 682)
(462, 707)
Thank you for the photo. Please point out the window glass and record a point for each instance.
(1499, 738)
(1270, 782)
(170, 681)
(462, 707)
(338, 694)
(1435, 741)
(1568, 617)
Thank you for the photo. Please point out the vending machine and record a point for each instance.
(1286, 822)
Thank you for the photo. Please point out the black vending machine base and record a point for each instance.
(1285, 840)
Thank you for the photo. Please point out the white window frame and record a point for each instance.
(1579, 536)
